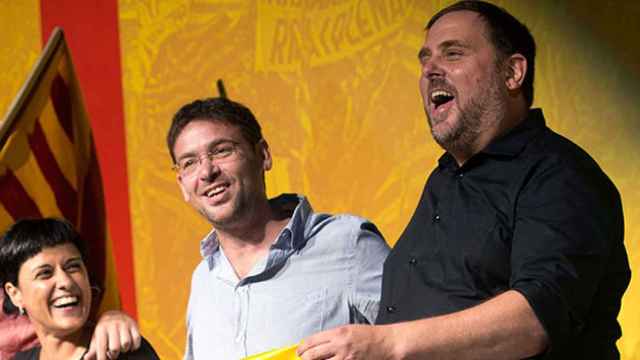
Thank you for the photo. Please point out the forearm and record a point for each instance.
(504, 327)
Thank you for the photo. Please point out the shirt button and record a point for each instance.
(391, 309)
(413, 261)
(436, 218)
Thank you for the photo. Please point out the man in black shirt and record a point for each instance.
(516, 248)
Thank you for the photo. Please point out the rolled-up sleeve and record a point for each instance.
(370, 253)
(568, 224)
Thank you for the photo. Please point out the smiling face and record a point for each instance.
(225, 192)
(463, 90)
(53, 287)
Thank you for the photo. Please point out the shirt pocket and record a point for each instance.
(288, 315)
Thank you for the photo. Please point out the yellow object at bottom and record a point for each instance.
(286, 353)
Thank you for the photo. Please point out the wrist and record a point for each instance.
(392, 341)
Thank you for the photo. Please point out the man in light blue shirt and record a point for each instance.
(273, 271)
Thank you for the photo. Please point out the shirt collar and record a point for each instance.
(292, 235)
(513, 142)
(510, 144)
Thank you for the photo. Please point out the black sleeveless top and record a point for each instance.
(145, 352)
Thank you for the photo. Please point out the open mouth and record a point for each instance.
(65, 302)
(440, 97)
(216, 190)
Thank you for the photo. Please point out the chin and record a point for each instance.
(223, 214)
(68, 327)
(442, 132)
(218, 218)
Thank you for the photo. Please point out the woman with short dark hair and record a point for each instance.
(43, 275)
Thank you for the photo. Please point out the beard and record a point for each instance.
(463, 132)
(480, 112)
(229, 215)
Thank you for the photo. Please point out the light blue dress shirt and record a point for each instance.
(321, 272)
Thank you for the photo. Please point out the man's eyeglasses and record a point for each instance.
(223, 152)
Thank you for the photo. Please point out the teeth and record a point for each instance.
(65, 300)
(216, 190)
(440, 93)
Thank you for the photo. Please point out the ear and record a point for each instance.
(14, 294)
(263, 151)
(516, 70)
(185, 193)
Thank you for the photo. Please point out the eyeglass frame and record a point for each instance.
(210, 156)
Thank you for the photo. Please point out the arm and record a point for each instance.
(114, 333)
(17, 333)
(503, 327)
(370, 253)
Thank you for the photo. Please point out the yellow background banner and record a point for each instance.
(334, 84)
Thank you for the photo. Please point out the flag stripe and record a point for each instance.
(66, 196)
(63, 150)
(15, 198)
(5, 220)
(93, 226)
(34, 182)
(62, 105)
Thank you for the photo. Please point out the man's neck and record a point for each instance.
(245, 244)
(512, 119)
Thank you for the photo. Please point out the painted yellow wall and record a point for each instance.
(334, 84)
(20, 39)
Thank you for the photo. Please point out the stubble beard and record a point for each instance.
(233, 213)
(460, 137)
(476, 115)
(228, 213)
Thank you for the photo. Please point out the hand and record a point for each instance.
(353, 342)
(115, 332)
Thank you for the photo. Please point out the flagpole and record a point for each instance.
(221, 91)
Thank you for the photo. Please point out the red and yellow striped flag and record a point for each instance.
(48, 164)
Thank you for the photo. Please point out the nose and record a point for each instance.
(63, 280)
(207, 169)
(431, 68)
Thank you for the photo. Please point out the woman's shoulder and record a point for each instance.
(31, 354)
(145, 352)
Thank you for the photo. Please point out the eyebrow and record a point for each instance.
(210, 145)
(452, 43)
(74, 259)
(442, 46)
(40, 267)
(44, 266)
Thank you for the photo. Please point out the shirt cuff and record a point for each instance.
(550, 309)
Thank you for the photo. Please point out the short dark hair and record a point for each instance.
(508, 35)
(26, 239)
(214, 109)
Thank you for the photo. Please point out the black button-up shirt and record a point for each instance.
(532, 212)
